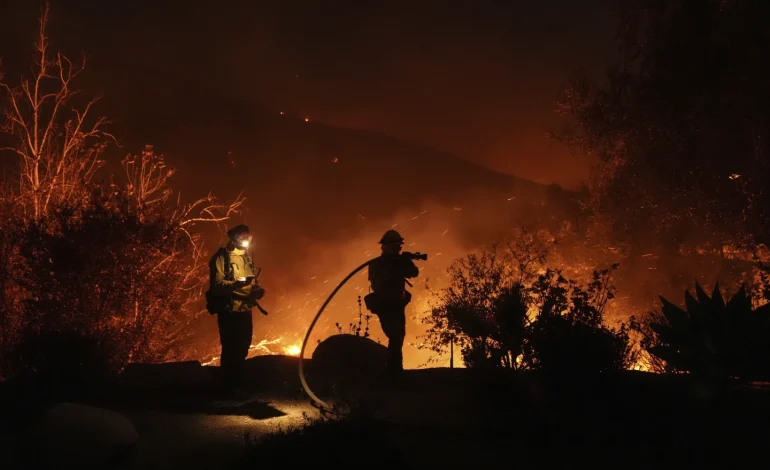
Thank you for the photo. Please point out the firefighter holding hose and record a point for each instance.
(388, 276)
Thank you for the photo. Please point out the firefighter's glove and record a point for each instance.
(257, 293)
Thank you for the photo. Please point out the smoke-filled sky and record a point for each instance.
(476, 78)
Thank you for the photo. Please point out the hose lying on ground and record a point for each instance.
(322, 405)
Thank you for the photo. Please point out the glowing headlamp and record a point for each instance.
(242, 241)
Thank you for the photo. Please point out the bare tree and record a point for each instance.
(58, 141)
(136, 300)
(147, 184)
(184, 260)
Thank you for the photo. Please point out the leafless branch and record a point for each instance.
(58, 143)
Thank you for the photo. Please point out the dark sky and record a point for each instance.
(477, 78)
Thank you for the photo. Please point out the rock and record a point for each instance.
(347, 358)
(74, 436)
(176, 375)
(271, 372)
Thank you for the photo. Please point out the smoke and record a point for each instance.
(446, 232)
(296, 293)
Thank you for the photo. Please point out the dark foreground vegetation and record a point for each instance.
(480, 417)
(628, 420)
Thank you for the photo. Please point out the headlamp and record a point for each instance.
(242, 241)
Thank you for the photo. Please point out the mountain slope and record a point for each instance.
(323, 174)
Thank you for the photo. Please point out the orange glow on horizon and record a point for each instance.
(428, 229)
(431, 229)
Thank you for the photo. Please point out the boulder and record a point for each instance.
(171, 375)
(271, 372)
(77, 436)
(347, 359)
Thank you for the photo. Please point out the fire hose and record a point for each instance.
(322, 405)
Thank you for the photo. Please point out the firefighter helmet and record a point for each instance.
(391, 236)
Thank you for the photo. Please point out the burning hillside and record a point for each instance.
(292, 309)
(320, 197)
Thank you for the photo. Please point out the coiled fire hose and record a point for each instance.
(322, 405)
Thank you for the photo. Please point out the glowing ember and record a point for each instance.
(641, 365)
(261, 348)
(265, 347)
(213, 361)
(424, 229)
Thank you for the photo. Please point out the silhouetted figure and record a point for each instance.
(388, 277)
(233, 291)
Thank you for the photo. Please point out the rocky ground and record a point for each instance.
(206, 440)
(167, 416)
(180, 423)
(175, 417)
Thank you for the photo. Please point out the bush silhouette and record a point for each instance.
(502, 313)
(64, 364)
(714, 339)
(559, 346)
(568, 334)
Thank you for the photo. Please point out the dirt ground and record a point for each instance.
(190, 429)
(211, 439)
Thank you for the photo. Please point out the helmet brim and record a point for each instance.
(391, 242)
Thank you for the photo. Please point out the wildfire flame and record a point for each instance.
(265, 347)
(431, 229)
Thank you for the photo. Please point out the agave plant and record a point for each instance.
(713, 338)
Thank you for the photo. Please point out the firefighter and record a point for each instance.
(233, 292)
(388, 276)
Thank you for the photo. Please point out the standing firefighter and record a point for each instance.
(233, 291)
(388, 276)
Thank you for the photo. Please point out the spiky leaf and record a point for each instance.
(714, 338)
(677, 318)
(716, 297)
(669, 335)
(703, 298)
(670, 355)
(694, 309)
(740, 302)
